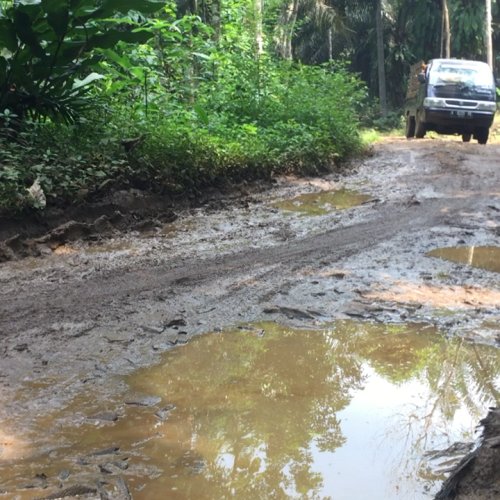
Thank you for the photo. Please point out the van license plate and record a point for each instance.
(462, 114)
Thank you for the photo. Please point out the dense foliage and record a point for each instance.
(47, 45)
(411, 30)
(172, 106)
(173, 96)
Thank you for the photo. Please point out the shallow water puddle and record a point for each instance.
(352, 411)
(487, 257)
(323, 202)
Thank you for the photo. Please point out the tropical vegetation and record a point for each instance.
(172, 96)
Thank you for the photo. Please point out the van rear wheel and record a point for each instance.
(410, 127)
(466, 137)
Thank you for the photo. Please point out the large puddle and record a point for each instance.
(487, 257)
(323, 202)
(355, 410)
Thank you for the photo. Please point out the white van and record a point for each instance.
(451, 96)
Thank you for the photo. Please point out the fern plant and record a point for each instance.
(47, 51)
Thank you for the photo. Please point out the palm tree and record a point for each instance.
(312, 41)
(445, 31)
(488, 37)
(382, 93)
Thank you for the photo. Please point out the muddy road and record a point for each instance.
(90, 311)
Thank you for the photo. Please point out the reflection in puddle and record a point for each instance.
(353, 411)
(323, 202)
(484, 257)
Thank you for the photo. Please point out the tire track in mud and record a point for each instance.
(423, 191)
(102, 294)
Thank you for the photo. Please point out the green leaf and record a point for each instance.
(85, 10)
(145, 6)
(201, 56)
(138, 73)
(121, 60)
(109, 39)
(24, 30)
(71, 50)
(201, 113)
(3, 70)
(87, 80)
(57, 15)
(8, 35)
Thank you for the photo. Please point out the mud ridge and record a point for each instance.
(33, 234)
(477, 476)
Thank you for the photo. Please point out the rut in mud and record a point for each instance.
(91, 311)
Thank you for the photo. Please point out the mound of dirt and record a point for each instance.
(477, 476)
(36, 233)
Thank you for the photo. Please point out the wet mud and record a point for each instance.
(94, 308)
(203, 421)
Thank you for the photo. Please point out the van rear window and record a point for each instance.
(446, 74)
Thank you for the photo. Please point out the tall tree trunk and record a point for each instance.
(330, 45)
(259, 38)
(285, 29)
(445, 31)
(382, 93)
(489, 43)
(216, 19)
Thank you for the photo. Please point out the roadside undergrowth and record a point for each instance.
(305, 125)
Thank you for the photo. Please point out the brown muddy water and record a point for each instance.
(487, 257)
(353, 410)
(323, 202)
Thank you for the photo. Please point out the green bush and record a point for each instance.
(185, 106)
(305, 122)
(247, 117)
(70, 162)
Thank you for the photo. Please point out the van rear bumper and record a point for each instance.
(456, 120)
